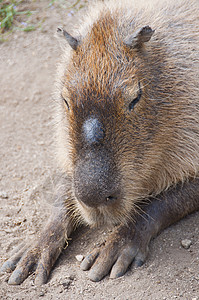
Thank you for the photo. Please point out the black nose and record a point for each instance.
(95, 180)
(93, 131)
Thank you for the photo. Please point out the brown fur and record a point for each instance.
(156, 145)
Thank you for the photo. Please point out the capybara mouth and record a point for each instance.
(110, 200)
(107, 201)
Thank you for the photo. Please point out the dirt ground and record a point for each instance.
(27, 70)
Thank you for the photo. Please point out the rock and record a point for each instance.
(41, 293)
(3, 195)
(79, 257)
(186, 243)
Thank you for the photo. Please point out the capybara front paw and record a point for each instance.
(122, 248)
(39, 257)
(22, 263)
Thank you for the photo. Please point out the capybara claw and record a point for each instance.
(138, 263)
(41, 278)
(8, 267)
(16, 278)
(89, 260)
(93, 276)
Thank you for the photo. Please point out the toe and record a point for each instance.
(17, 277)
(41, 276)
(141, 256)
(103, 265)
(123, 262)
(89, 260)
(8, 266)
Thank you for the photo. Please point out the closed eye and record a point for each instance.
(65, 101)
(135, 101)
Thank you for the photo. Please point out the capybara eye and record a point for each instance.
(66, 102)
(135, 101)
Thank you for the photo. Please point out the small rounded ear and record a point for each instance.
(73, 42)
(140, 37)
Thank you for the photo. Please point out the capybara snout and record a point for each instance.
(96, 179)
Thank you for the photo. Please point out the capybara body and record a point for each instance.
(127, 115)
(145, 148)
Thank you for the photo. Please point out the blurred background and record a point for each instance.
(28, 15)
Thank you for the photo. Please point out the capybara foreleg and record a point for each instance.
(41, 254)
(130, 243)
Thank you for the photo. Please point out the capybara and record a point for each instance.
(127, 115)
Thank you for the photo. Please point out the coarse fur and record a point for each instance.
(155, 145)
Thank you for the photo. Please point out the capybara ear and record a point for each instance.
(140, 37)
(73, 42)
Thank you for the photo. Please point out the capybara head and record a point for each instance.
(118, 119)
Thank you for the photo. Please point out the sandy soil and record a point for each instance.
(27, 70)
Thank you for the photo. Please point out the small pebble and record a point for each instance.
(3, 195)
(186, 243)
(41, 294)
(66, 283)
(69, 276)
(79, 257)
